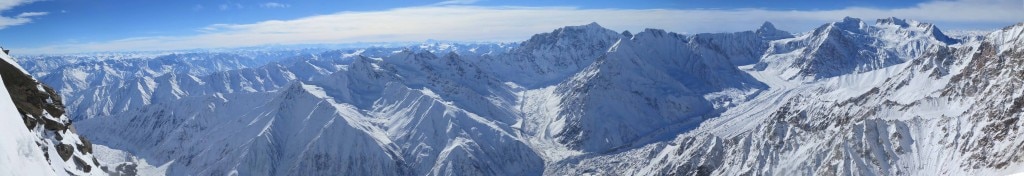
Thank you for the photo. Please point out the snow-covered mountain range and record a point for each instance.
(892, 97)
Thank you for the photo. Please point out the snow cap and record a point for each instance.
(849, 23)
(893, 21)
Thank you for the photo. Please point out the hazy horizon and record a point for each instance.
(62, 27)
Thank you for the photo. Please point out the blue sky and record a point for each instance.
(63, 26)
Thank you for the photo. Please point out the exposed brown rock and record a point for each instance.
(86, 146)
(65, 151)
(26, 95)
(81, 164)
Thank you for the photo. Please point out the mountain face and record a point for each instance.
(852, 46)
(547, 58)
(896, 97)
(939, 113)
(38, 139)
(680, 74)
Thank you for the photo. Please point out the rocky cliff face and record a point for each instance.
(41, 110)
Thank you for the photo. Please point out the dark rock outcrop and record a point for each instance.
(81, 164)
(86, 146)
(65, 151)
(31, 97)
(42, 111)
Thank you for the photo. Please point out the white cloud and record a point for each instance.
(474, 23)
(274, 5)
(8, 4)
(19, 19)
(197, 7)
(31, 14)
(455, 2)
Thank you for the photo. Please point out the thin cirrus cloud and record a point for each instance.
(455, 2)
(229, 6)
(22, 18)
(274, 5)
(477, 23)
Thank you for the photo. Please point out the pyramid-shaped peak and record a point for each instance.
(767, 26)
(768, 31)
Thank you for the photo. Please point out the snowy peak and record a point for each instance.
(894, 29)
(656, 33)
(851, 46)
(850, 24)
(1015, 26)
(910, 26)
(882, 26)
(627, 34)
(591, 25)
(1009, 37)
(547, 58)
(896, 21)
(769, 32)
(585, 34)
(767, 26)
(740, 48)
(938, 35)
(905, 24)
